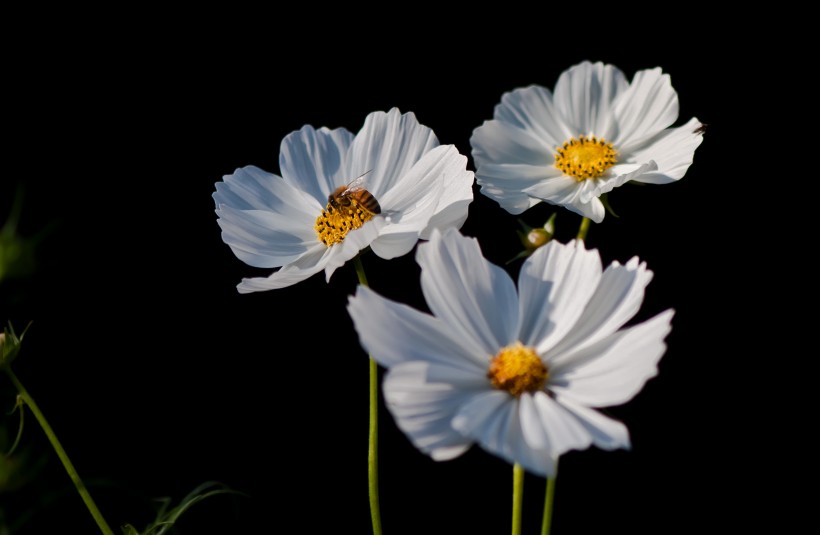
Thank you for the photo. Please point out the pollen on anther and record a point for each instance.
(585, 158)
(517, 369)
(334, 222)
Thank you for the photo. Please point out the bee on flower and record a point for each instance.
(385, 188)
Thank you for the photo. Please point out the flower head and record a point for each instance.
(385, 187)
(517, 372)
(596, 132)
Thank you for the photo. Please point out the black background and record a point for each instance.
(158, 376)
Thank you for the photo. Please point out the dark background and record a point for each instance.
(158, 376)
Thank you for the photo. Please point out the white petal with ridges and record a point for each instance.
(264, 239)
(315, 160)
(613, 370)
(306, 266)
(475, 298)
(606, 433)
(497, 141)
(673, 150)
(554, 284)
(493, 419)
(251, 188)
(616, 300)
(393, 332)
(386, 147)
(585, 93)
(423, 410)
(531, 108)
(509, 184)
(617, 176)
(558, 190)
(454, 198)
(435, 193)
(562, 430)
(354, 242)
(645, 109)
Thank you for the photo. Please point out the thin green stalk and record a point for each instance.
(72, 472)
(545, 524)
(518, 498)
(582, 230)
(373, 438)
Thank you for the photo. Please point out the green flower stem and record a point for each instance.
(373, 442)
(518, 498)
(72, 472)
(582, 230)
(547, 521)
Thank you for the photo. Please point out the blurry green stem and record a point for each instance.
(518, 498)
(582, 230)
(72, 472)
(373, 447)
(545, 524)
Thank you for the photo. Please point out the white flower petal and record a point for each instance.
(567, 192)
(673, 150)
(493, 420)
(354, 242)
(647, 107)
(531, 109)
(620, 174)
(616, 300)
(472, 296)
(423, 410)
(594, 209)
(251, 188)
(554, 285)
(452, 211)
(613, 370)
(585, 94)
(307, 265)
(606, 433)
(484, 418)
(508, 184)
(386, 147)
(496, 141)
(314, 160)
(413, 202)
(454, 198)
(393, 332)
(560, 430)
(265, 239)
(558, 190)
(248, 188)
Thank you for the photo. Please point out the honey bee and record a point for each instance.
(354, 191)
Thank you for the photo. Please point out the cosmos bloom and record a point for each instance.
(518, 372)
(595, 133)
(338, 193)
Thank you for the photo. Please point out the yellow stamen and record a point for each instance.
(517, 369)
(585, 158)
(337, 219)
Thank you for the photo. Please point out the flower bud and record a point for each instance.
(9, 345)
(533, 238)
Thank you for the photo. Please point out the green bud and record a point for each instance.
(533, 238)
(9, 345)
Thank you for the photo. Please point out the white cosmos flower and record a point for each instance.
(414, 183)
(595, 133)
(518, 373)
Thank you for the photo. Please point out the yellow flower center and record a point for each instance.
(517, 369)
(585, 158)
(344, 212)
